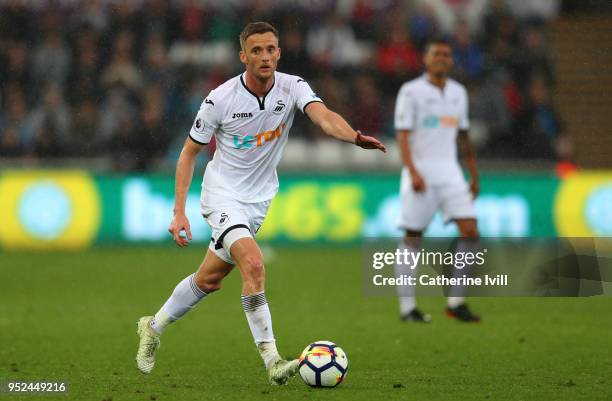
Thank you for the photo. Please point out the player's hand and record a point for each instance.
(474, 188)
(180, 223)
(418, 183)
(369, 142)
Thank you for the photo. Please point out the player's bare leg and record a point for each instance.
(468, 242)
(468, 228)
(185, 296)
(249, 259)
(406, 293)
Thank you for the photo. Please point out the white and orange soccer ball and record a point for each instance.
(323, 364)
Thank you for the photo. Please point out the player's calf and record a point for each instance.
(207, 284)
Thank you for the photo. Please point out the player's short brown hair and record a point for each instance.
(253, 28)
(437, 41)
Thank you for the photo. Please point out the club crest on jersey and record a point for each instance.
(258, 140)
(280, 106)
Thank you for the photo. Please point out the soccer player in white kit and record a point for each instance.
(431, 118)
(250, 115)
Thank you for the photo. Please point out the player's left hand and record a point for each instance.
(369, 142)
(474, 188)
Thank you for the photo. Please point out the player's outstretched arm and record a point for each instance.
(334, 125)
(184, 173)
(467, 151)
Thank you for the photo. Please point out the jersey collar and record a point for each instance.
(262, 101)
(442, 91)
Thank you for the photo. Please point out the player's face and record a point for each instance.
(439, 59)
(261, 55)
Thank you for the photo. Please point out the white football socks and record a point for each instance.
(260, 322)
(407, 300)
(268, 353)
(184, 297)
(453, 302)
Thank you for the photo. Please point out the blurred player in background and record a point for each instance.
(250, 115)
(431, 118)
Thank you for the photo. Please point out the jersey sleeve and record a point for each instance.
(464, 121)
(304, 95)
(405, 110)
(206, 121)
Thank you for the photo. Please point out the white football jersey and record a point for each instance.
(434, 118)
(251, 134)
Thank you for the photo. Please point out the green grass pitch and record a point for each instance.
(71, 316)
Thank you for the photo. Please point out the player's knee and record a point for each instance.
(253, 270)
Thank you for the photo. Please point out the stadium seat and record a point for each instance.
(295, 155)
(327, 154)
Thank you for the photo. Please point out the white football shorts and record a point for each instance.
(454, 200)
(231, 220)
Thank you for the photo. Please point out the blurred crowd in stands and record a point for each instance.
(124, 79)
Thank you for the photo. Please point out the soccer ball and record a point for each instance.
(323, 364)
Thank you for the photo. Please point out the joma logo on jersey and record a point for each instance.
(257, 140)
(242, 115)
